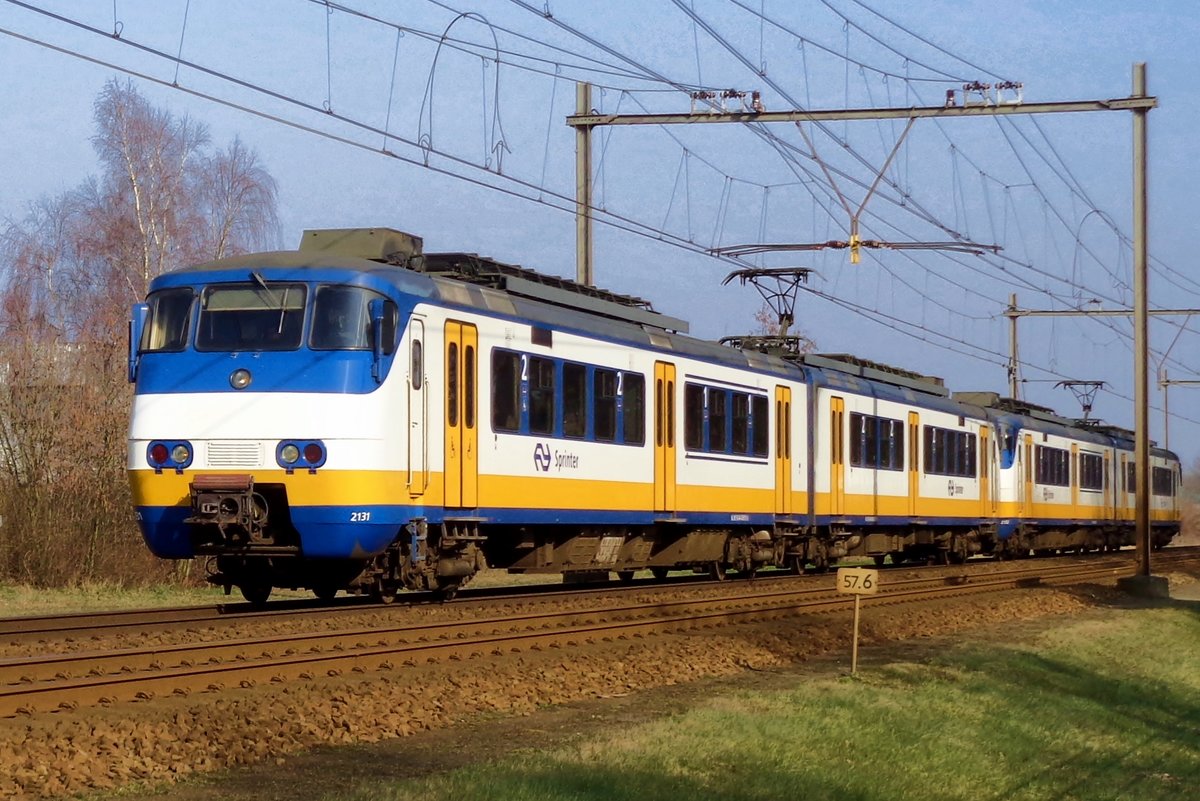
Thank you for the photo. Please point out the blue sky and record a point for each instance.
(1028, 188)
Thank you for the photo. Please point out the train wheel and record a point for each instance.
(625, 576)
(256, 594)
(325, 592)
(383, 593)
(660, 573)
(879, 558)
(447, 589)
(717, 570)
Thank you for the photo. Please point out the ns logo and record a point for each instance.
(541, 457)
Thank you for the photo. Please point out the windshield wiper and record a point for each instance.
(262, 282)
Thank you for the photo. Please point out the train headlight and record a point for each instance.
(300, 454)
(314, 453)
(239, 379)
(169, 455)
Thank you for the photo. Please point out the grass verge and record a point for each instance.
(1098, 709)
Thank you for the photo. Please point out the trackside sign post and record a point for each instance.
(858, 581)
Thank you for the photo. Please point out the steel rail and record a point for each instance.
(469, 639)
(46, 628)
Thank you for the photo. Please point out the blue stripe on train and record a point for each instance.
(341, 532)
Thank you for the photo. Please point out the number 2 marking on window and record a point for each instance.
(360, 517)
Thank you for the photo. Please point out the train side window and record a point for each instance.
(633, 408)
(1162, 482)
(693, 417)
(604, 405)
(574, 400)
(1053, 466)
(452, 384)
(741, 423)
(670, 414)
(1091, 471)
(469, 386)
(760, 425)
(718, 421)
(506, 391)
(541, 395)
(930, 443)
(870, 455)
(1131, 477)
(416, 365)
(787, 429)
(896, 445)
(658, 411)
(857, 432)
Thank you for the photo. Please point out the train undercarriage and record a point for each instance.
(248, 533)
(443, 558)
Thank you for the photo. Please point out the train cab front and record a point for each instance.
(259, 434)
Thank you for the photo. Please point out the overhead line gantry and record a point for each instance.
(1138, 103)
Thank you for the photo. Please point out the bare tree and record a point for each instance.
(239, 196)
(68, 273)
(147, 153)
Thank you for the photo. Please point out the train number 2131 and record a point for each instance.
(360, 517)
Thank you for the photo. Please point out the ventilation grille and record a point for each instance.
(234, 454)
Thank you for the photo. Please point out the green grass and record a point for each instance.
(1093, 710)
(22, 600)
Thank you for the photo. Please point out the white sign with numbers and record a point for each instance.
(858, 580)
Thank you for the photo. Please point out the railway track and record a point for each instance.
(49, 683)
(92, 625)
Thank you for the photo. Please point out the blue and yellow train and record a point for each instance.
(361, 415)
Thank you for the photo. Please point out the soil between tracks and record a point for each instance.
(486, 710)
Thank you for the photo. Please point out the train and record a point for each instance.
(359, 415)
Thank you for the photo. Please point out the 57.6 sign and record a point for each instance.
(858, 580)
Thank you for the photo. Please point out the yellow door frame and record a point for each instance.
(461, 474)
(783, 450)
(985, 472)
(664, 437)
(837, 456)
(914, 461)
(1027, 495)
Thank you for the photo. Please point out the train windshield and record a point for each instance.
(251, 317)
(167, 328)
(342, 318)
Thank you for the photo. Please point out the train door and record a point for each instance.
(914, 461)
(1123, 488)
(783, 450)
(418, 410)
(462, 453)
(1027, 494)
(664, 437)
(1109, 489)
(1074, 477)
(985, 472)
(837, 461)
